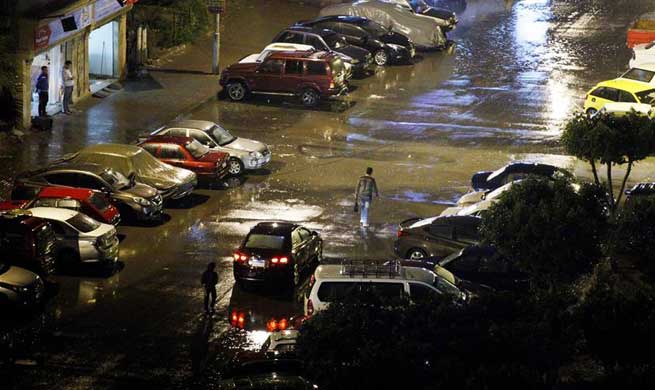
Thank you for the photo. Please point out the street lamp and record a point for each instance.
(216, 7)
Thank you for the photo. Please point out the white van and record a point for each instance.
(334, 283)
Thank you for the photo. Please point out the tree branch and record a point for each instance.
(593, 169)
(625, 179)
(610, 188)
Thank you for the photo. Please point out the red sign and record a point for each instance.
(42, 37)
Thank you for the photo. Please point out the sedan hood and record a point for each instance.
(168, 177)
(354, 52)
(246, 145)
(142, 190)
(19, 277)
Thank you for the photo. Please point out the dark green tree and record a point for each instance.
(550, 230)
(610, 140)
(633, 233)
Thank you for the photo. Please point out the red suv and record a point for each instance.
(89, 202)
(27, 242)
(188, 153)
(309, 75)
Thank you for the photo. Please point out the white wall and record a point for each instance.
(102, 50)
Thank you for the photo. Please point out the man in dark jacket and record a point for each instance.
(366, 187)
(42, 86)
(209, 281)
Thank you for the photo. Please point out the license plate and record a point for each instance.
(257, 263)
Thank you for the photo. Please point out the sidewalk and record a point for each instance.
(173, 87)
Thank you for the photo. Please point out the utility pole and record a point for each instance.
(216, 7)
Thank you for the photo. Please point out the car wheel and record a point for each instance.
(381, 58)
(67, 260)
(237, 91)
(235, 167)
(309, 97)
(416, 253)
(591, 111)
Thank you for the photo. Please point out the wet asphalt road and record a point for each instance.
(519, 69)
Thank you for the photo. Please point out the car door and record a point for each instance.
(67, 238)
(204, 139)
(293, 74)
(354, 35)
(626, 97)
(439, 238)
(172, 154)
(316, 42)
(604, 95)
(269, 76)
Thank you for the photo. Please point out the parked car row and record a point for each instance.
(65, 214)
(314, 60)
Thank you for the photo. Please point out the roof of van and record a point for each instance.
(333, 271)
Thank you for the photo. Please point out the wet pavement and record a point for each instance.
(518, 71)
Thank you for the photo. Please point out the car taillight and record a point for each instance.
(238, 319)
(312, 280)
(280, 260)
(331, 84)
(274, 325)
(240, 257)
(310, 307)
(401, 233)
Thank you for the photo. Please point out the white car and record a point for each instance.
(643, 72)
(20, 287)
(477, 208)
(620, 109)
(335, 283)
(245, 154)
(643, 54)
(280, 342)
(79, 237)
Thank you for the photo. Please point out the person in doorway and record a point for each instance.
(366, 187)
(209, 281)
(69, 82)
(42, 86)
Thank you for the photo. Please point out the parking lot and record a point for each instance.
(517, 72)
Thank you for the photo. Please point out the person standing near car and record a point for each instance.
(42, 86)
(69, 82)
(209, 281)
(366, 187)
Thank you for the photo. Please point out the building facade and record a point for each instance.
(89, 33)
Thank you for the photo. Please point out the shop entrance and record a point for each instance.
(54, 60)
(103, 56)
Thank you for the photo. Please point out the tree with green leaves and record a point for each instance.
(551, 228)
(610, 140)
(633, 233)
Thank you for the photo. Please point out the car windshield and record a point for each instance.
(221, 136)
(335, 41)
(445, 286)
(639, 75)
(83, 223)
(264, 241)
(115, 179)
(374, 28)
(197, 149)
(98, 201)
(646, 97)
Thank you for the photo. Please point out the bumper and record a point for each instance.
(218, 174)
(180, 191)
(256, 163)
(338, 91)
(151, 212)
(108, 255)
(261, 274)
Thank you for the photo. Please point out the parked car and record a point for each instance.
(27, 242)
(336, 283)
(257, 370)
(312, 76)
(20, 288)
(282, 342)
(79, 238)
(187, 153)
(280, 46)
(386, 46)
(618, 90)
(133, 200)
(277, 252)
(484, 265)
(330, 41)
(640, 190)
(479, 208)
(644, 72)
(424, 31)
(92, 203)
(490, 180)
(446, 18)
(621, 109)
(245, 154)
(436, 236)
(134, 162)
(642, 54)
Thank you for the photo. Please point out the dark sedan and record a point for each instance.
(277, 252)
(386, 45)
(640, 190)
(258, 370)
(436, 237)
(488, 180)
(484, 265)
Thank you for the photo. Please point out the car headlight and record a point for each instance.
(256, 155)
(142, 202)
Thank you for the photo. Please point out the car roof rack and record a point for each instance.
(352, 268)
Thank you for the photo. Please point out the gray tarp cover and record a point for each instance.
(422, 30)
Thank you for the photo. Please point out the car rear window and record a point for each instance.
(639, 75)
(339, 291)
(264, 241)
(316, 68)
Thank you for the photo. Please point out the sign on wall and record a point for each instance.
(52, 30)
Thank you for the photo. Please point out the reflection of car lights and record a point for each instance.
(274, 325)
(238, 319)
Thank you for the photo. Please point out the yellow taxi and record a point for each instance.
(618, 90)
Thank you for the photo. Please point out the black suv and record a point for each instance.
(133, 199)
(277, 252)
(386, 45)
(328, 40)
(488, 180)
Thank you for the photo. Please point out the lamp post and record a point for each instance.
(216, 7)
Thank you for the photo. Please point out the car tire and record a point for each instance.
(309, 97)
(236, 91)
(235, 166)
(591, 111)
(67, 260)
(416, 253)
(381, 57)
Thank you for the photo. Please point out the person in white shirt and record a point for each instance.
(67, 76)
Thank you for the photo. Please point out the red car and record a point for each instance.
(89, 202)
(188, 153)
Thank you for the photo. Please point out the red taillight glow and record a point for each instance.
(284, 260)
(331, 84)
(280, 260)
(401, 233)
(274, 325)
(310, 307)
(240, 257)
(238, 319)
(312, 280)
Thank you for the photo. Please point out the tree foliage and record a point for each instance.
(551, 231)
(633, 232)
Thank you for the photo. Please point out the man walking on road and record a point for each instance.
(67, 76)
(366, 187)
(209, 281)
(42, 86)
